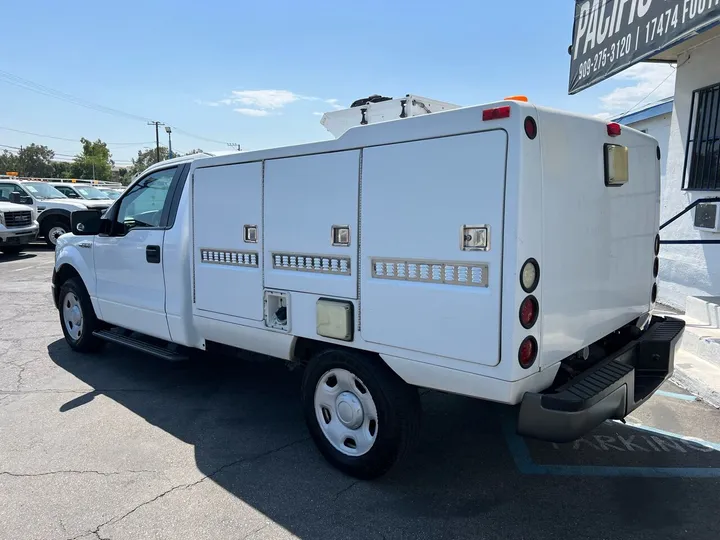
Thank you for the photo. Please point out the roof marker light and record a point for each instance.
(613, 129)
(516, 98)
(496, 113)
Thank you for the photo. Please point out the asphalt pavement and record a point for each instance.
(125, 446)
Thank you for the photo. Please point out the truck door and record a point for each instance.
(129, 260)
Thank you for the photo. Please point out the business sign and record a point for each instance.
(612, 35)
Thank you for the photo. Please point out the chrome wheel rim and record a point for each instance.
(346, 412)
(56, 232)
(72, 316)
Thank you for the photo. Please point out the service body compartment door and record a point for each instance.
(305, 197)
(419, 290)
(228, 270)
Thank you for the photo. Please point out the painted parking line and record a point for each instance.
(638, 445)
(675, 395)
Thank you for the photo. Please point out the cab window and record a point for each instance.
(7, 189)
(67, 191)
(142, 205)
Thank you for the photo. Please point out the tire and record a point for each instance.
(393, 405)
(53, 228)
(76, 312)
(12, 250)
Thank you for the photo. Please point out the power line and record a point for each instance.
(72, 140)
(27, 84)
(649, 93)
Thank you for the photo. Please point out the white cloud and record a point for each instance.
(648, 83)
(265, 99)
(264, 102)
(252, 112)
(334, 104)
(318, 113)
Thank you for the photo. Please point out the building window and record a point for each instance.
(702, 155)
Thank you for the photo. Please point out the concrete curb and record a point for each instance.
(699, 377)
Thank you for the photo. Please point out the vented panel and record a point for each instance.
(450, 273)
(311, 263)
(229, 257)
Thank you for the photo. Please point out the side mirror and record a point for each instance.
(17, 198)
(85, 222)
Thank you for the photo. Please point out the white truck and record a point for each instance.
(18, 224)
(51, 207)
(507, 252)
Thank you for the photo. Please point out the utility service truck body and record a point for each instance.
(506, 252)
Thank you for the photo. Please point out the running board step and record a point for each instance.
(140, 345)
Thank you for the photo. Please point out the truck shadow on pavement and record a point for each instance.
(468, 473)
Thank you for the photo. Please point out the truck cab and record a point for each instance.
(89, 195)
(506, 252)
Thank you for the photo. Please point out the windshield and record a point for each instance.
(89, 192)
(111, 194)
(42, 191)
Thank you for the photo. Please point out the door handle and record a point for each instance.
(152, 254)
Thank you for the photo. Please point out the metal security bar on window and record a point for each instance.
(701, 170)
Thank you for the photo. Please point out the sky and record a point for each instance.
(260, 74)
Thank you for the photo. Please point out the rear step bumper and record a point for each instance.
(611, 389)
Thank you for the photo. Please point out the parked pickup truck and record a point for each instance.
(507, 252)
(53, 209)
(18, 226)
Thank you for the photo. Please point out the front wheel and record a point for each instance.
(54, 230)
(77, 317)
(360, 414)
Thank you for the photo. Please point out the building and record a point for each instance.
(654, 119)
(612, 35)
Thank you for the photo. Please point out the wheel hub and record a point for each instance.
(349, 410)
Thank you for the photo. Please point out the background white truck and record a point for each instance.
(52, 208)
(18, 225)
(506, 252)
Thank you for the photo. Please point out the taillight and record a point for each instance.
(613, 129)
(530, 127)
(527, 352)
(496, 113)
(529, 312)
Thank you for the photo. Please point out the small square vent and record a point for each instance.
(707, 217)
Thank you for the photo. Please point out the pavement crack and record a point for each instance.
(251, 533)
(113, 521)
(345, 489)
(50, 473)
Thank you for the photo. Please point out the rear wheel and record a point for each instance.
(360, 414)
(77, 317)
(54, 229)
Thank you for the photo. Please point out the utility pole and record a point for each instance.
(157, 139)
(235, 144)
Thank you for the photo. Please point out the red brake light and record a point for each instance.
(529, 312)
(527, 352)
(530, 127)
(496, 113)
(613, 129)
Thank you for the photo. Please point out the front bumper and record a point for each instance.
(611, 389)
(18, 236)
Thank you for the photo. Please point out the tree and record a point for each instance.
(8, 162)
(34, 160)
(94, 162)
(145, 158)
(61, 169)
